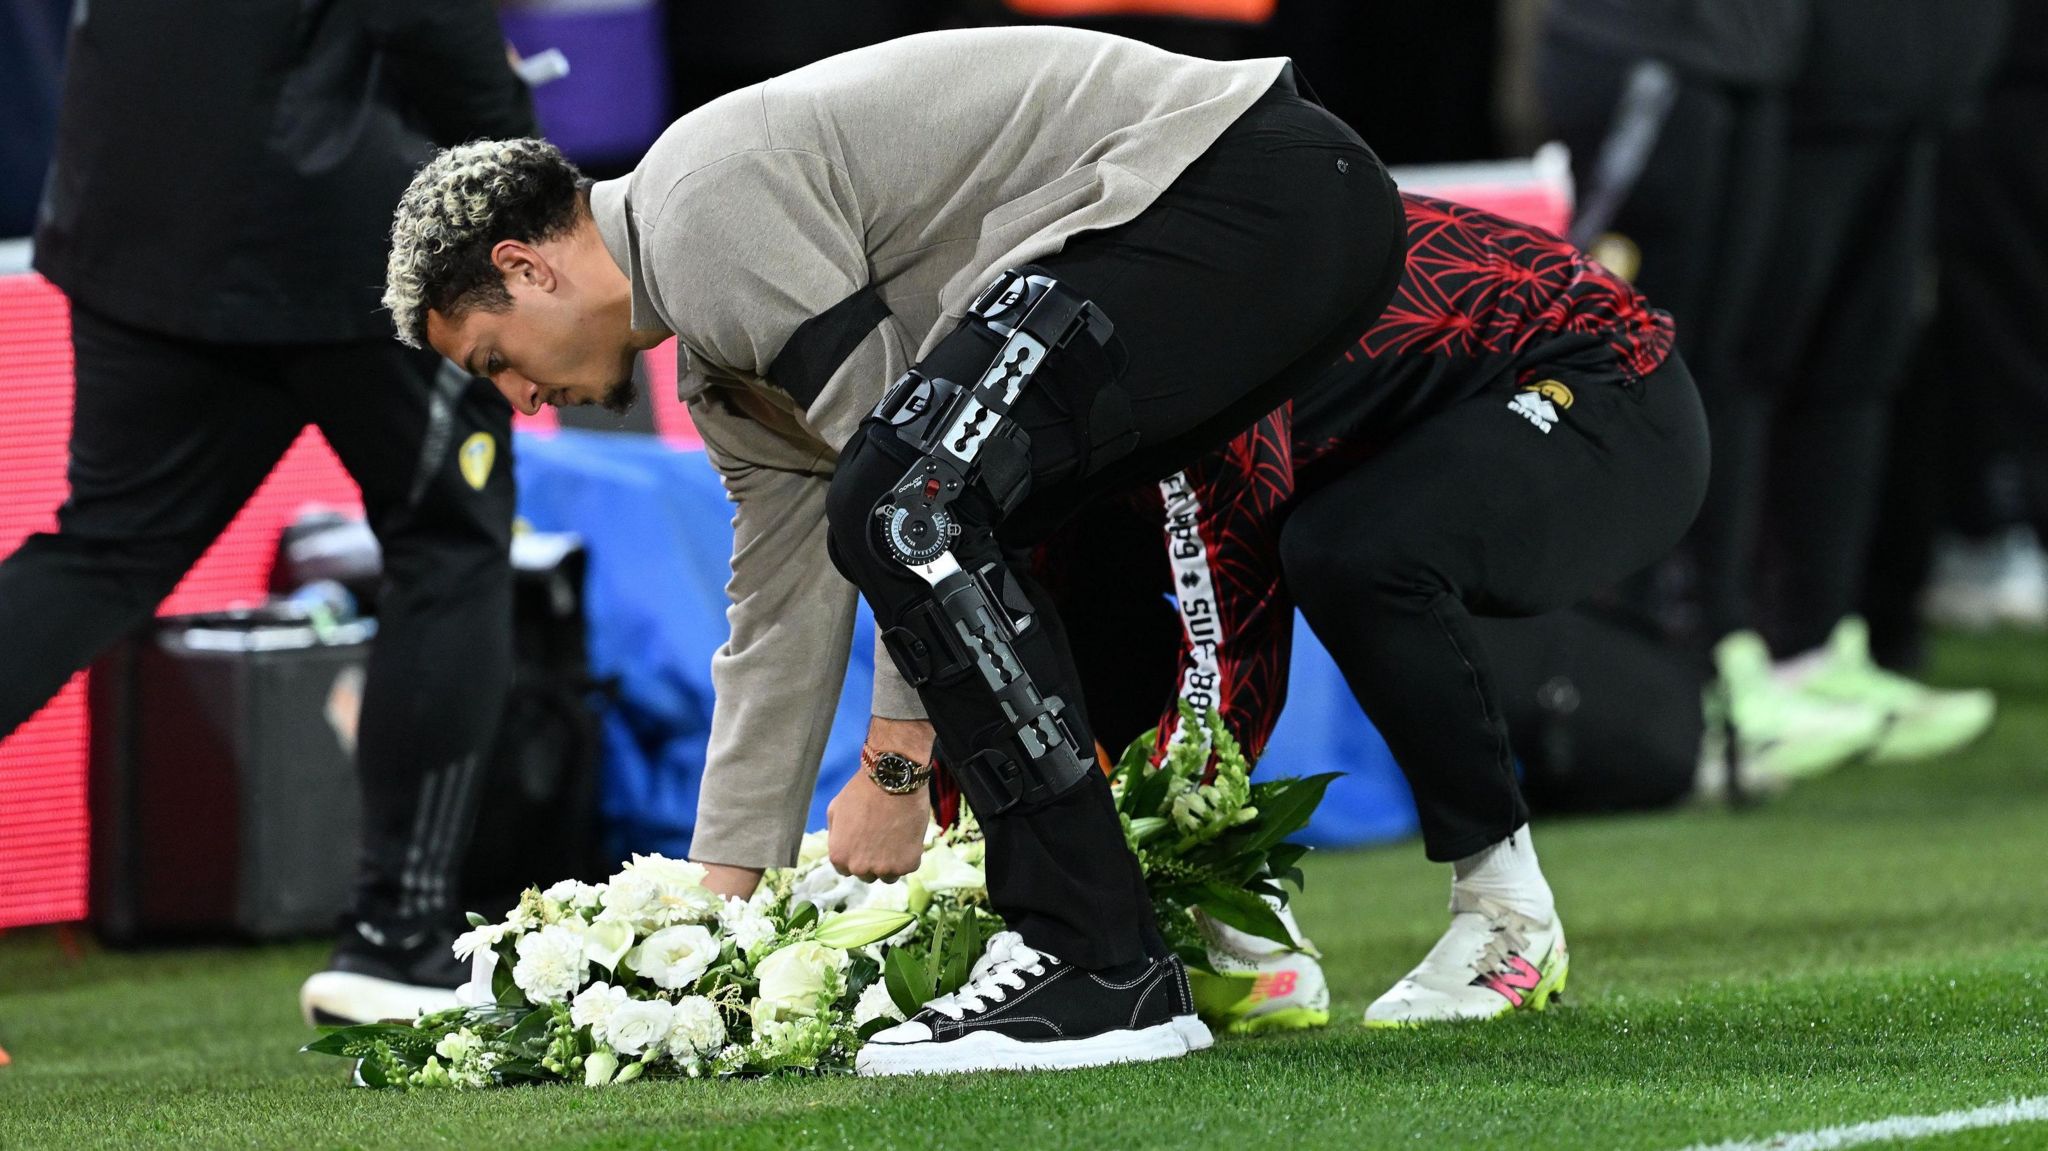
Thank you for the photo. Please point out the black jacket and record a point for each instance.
(1887, 63)
(1749, 43)
(226, 169)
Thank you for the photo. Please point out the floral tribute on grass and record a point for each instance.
(651, 975)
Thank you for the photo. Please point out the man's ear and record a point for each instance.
(521, 263)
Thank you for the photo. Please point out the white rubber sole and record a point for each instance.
(344, 997)
(990, 1051)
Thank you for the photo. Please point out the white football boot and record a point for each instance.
(1259, 985)
(1493, 960)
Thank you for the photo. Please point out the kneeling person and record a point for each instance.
(1514, 434)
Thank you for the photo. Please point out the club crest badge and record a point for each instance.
(478, 455)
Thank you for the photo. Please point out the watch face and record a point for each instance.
(895, 773)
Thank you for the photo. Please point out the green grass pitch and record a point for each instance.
(1874, 944)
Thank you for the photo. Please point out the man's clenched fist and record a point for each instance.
(876, 835)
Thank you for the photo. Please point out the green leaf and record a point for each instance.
(475, 920)
(351, 1041)
(1147, 795)
(372, 1072)
(1286, 810)
(503, 989)
(1284, 856)
(803, 917)
(903, 973)
(533, 1028)
(961, 951)
(1136, 761)
(1236, 907)
(513, 1071)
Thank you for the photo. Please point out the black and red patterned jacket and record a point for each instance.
(1486, 304)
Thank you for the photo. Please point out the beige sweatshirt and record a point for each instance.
(919, 168)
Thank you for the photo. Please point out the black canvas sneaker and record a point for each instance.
(1024, 1010)
(378, 973)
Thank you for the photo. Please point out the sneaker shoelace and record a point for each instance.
(1506, 938)
(1003, 964)
(1506, 933)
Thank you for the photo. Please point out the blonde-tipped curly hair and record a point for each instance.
(457, 209)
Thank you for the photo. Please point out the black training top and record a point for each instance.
(226, 171)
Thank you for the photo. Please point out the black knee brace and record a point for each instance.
(966, 631)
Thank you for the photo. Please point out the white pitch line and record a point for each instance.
(1896, 1129)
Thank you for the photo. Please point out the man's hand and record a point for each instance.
(876, 835)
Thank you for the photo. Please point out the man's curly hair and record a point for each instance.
(457, 209)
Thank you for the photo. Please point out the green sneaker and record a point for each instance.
(1920, 721)
(1783, 734)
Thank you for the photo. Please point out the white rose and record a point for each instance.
(678, 904)
(747, 925)
(662, 869)
(675, 957)
(695, 1030)
(630, 897)
(594, 1005)
(638, 1024)
(942, 869)
(599, 1068)
(551, 965)
(793, 978)
(679, 892)
(569, 893)
(824, 888)
(874, 1004)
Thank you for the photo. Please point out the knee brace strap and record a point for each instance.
(963, 434)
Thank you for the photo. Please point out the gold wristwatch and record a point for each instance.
(895, 774)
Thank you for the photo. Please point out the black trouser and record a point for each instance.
(169, 438)
(1704, 212)
(1789, 254)
(1802, 453)
(1478, 511)
(1242, 279)
(1969, 441)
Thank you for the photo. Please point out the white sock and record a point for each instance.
(1508, 874)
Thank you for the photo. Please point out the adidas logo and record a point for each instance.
(1536, 410)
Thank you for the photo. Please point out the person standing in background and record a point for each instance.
(223, 182)
(1969, 452)
(1783, 216)
(31, 61)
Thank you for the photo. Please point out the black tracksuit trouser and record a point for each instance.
(170, 437)
(1245, 277)
(1481, 511)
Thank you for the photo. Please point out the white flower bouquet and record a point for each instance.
(651, 974)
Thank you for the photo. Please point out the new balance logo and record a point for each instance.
(1536, 410)
(1514, 982)
(1271, 985)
